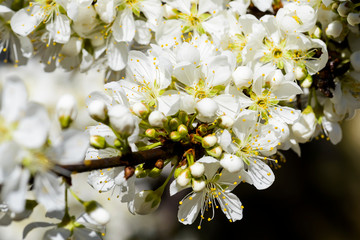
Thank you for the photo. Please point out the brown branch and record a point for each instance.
(149, 157)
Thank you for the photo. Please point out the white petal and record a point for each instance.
(211, 165)
(24, 22)
(57, 234)
(333, 130)
(261, 174)
(189, 209)
(231, 206)
(124, 26)
(32, 131)
(49, 192)
(167, 31)
(286, 114)
(14, 98)
(169, 103)
(143, 32)
(117, 55)
(14, 189)
(102, 180)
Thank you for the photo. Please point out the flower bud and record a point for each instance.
(317, 32)
(117, 143)
(198, 185)
(355, 60)
(209, 141)
(353, 19)
(343, 9)
(307, 81)
(182, 130)
(122, 120)
(231, 163)
(146, 202)
(184, 117)
(156, 119)
(215, 151)
(175, 136)
(207, 109)
(334, 29)
(305, 127)
(151, 133)
(197, 169)
(174, 123)
(300, 73)
(226, 122)
(97, 142)
(98, 110)
(178, 171)
(242, 76)
(66, 110)
(97, 212)
(184, 178)
(140, 110)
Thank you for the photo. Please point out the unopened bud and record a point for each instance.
(122, 120)
(178, 171)
(355, 60)
(140, 110)
(156, 119)
(198, 185)
(197, 169)
(175, 136)
(226, 122)
(307, 81)
(343, 9)
(334, 29)
(184, 117)
(66, 110)
(155, 172)
(231, 163)
(300, 73)
(242, 76)
(215, 151)
(174, 123)
(209, 141)
(207, 109)
(184, 178)
(151, 133)
(97, 141)
(146, 202)
(317, 32)
(182, 130)
(98, 110)
(353, 19)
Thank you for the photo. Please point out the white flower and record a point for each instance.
(305, 127)
(216, 193)
(17, 48)
(26, 20)
(296, 18)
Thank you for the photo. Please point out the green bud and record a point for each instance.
(182, 129)
(174, 123)
(117, 143)
(215, 152)
(184, 117)
(202, 129)
(175, 136)
(155, 172)
(97, 142)
(151, 133)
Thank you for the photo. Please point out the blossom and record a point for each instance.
(216, 193)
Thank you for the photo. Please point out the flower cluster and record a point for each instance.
(214, 89)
